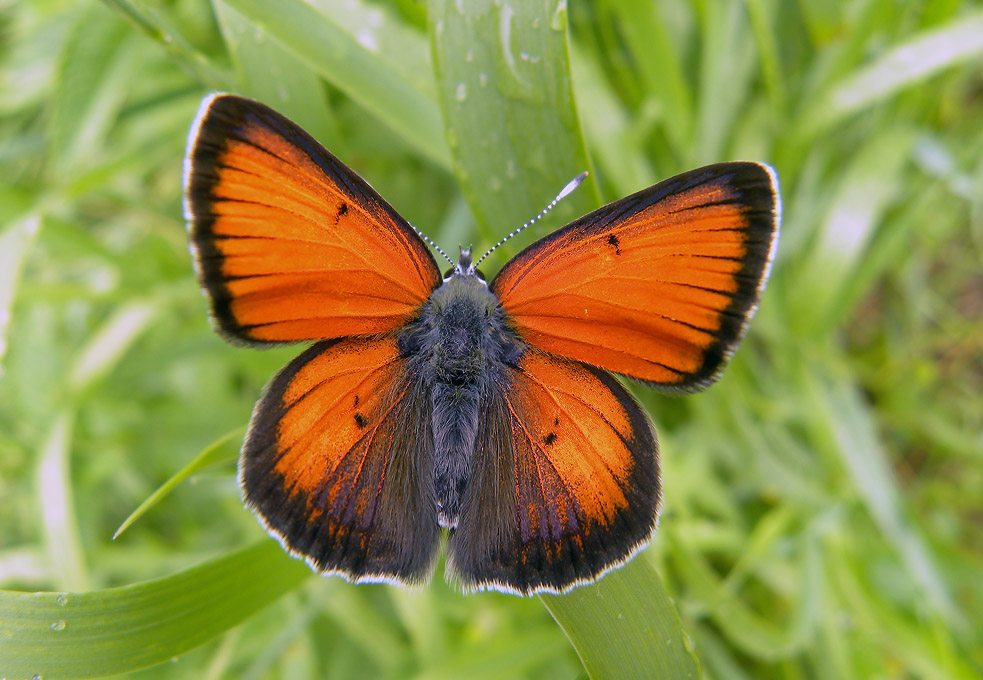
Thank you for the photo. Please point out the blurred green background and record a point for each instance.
(822, 502)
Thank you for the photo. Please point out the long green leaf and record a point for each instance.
(904, 66)
(15, 244)
(626, 626)
(105, 632)
(503, 76)
(216, 452)
(353, 64)
(270, 74)
(503, 80)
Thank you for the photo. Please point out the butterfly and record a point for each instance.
(432, 402)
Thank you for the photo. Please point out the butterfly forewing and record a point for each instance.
(336, 463)
(658, 286)
(566, 482)
(290, 244)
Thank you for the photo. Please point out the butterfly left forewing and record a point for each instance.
(566, 481)
(658, 286)
(336, 463)
(291, 244)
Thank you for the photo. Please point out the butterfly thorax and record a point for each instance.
(460, 347)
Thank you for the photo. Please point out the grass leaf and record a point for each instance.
(354, 65)
(503, 81)
(104, 632)
(626, 626)
(222, 450)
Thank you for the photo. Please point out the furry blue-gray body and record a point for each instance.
(460, 347)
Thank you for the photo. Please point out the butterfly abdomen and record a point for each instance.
(459, 346)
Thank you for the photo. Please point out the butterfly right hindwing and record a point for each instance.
(566, 482)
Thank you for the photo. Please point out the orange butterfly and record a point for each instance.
(429, 401)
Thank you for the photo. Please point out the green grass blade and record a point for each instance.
(725, 78)
(63, 544)
(270, 74)
(756, 635)
(354, 66)
(190, 59)
(850, 426)
(902, 67)
(503, 77)
(606, 124)
(15, 244)
(647, 34)
(503, 81)
(222, 450)
(626, 626)
(105, 632)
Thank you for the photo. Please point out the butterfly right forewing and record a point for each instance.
(658, 286)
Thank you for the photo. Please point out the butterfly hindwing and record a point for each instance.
(566, 481)
(658, 286)
(291, 244)
(336, 463)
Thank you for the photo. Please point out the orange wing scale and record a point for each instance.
(335, 460)
(291, 245)
(578, 467)
(657, 286)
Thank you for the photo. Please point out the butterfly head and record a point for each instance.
(465, 266)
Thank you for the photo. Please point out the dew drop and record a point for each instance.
(36, 676)
(58, 625)
(688, 643)
(482, 79)
(461, 93)
(62, 599)
(559, 19)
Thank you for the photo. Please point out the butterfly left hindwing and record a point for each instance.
(336, 462)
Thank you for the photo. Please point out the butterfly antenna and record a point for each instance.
(435, 246)
(571, 185)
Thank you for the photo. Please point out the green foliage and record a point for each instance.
(822, 501)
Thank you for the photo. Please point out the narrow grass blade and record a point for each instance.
(105, 632)
(352, 63)
(754, 634)
(15, 243)
(61, 533)
(606, 124)
(269, 73)
(626, 626)
(904, 66)
(109, 343)
(222, 450)
(868, 185)
(659, 63)
(725, 77)
(852, 428)
(191, 60)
